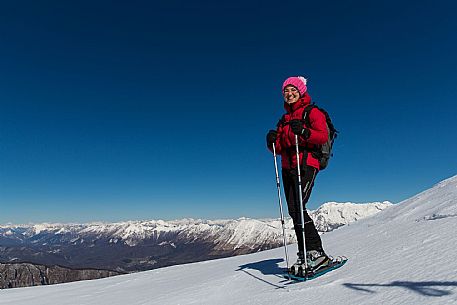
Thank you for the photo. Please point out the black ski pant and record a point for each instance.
(290, 181)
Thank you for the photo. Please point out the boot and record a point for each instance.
(316, 259)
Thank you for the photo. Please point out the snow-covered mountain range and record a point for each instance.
(328, 217)
(404, 255)
(142, 245)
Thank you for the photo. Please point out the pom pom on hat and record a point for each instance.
(298, 82)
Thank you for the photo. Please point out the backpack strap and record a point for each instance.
(314, 149)
(306, 113)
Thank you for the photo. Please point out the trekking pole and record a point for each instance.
(280, 208)
(300, 196)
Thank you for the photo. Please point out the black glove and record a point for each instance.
(271, 137)
(298, 129)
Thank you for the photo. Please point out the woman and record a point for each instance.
(296, 99)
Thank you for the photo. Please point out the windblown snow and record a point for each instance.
(404, 255)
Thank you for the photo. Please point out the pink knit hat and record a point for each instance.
(298, 82)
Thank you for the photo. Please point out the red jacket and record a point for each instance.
(285, 142)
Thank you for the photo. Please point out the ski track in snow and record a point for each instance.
(404, 255)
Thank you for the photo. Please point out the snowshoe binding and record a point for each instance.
(298, 268)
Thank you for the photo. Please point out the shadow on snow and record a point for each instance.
(428, 288)
(266, 267)
(423, 288)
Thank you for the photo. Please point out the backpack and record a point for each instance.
(323, 152)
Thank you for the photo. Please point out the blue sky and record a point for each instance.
(114, 110)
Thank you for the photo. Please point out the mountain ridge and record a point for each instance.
(140, 228)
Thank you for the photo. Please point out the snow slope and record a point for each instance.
(405, 255)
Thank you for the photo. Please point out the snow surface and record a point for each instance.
(405, 255)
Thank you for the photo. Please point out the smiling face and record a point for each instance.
(291, 94)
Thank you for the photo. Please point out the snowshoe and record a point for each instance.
(302, 275)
